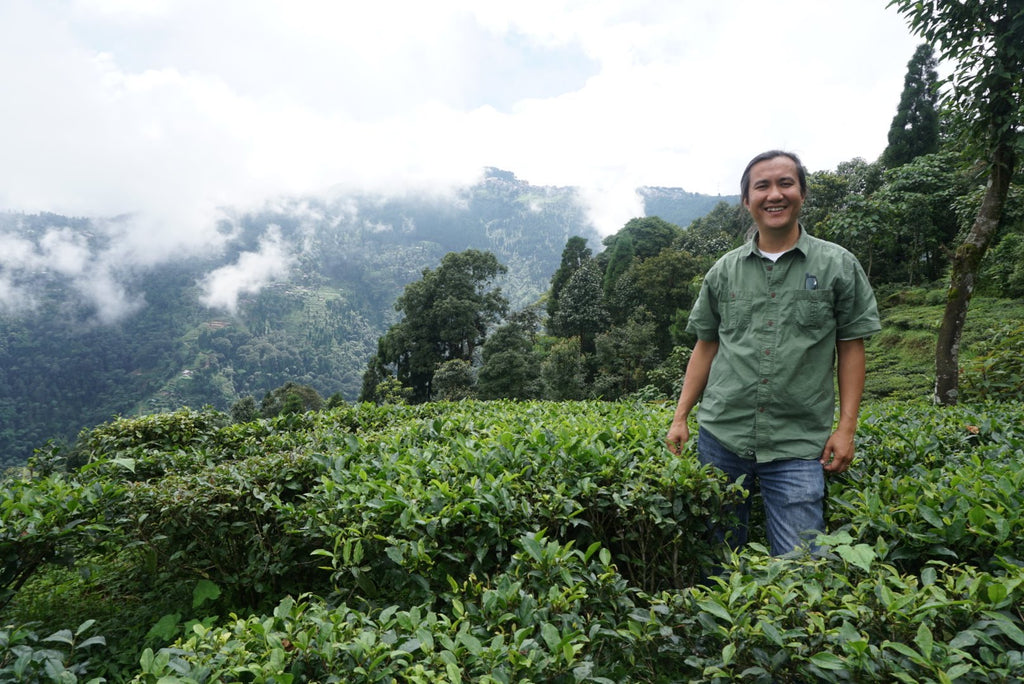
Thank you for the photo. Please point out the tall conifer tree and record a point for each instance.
(915, 128)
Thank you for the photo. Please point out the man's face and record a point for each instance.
(775, 197)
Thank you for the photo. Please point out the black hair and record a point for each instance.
(801, 172)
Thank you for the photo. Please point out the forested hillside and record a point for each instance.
(70, 358)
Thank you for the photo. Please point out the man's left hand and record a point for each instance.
(838, 452)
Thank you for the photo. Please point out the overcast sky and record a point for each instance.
(167, 109)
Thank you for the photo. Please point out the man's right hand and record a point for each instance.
(678, 435)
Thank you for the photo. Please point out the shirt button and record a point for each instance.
(767, 352)
(764, 381)
(771, 323)
(773, 295)
(769, 267)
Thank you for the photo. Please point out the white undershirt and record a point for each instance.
(772, 256)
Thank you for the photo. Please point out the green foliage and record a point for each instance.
(666, 285)
(454, 380)
(446, 316)
(900, 230)
(514, 541)
(985, 39)
(997, 371)
(1002, 273)
(667, 378)
(624, 355)
(63, 656)
(717, 232)
(645, 237)
(244, 410)
(446, 493)
(574, 255)
(391, 391)
(845, 617)
(510, 365)
(582, 311)
(538, 622)
(915, 128)
(56, 519)
(290, 397)
(564, 371)
(938, 484)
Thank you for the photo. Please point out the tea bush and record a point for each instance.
(502, 542)
(997, 371)
(444, 497)
(938, 484)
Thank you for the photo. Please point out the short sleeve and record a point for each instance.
(856, 308)
(705, 317)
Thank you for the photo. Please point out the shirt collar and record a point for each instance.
(751, 249)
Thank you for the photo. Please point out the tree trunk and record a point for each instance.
(965, 265)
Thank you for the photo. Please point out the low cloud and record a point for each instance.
(249, 274)
(60, 253)
(168, 110)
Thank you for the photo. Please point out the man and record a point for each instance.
(773, 319)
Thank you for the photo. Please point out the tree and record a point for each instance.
(624, 356)
(667, 286)
(244, 410)
(454, 380)
(447, 314)
(827, 193)
(290, 397)
(511, 366)
(564, 372)
(648, 236)
(920, 194)
(716, 232)
(984, 39)
(621, 255)
(391, 391)
(376, 373)
(582, 312)
(575, 254)
(915, 128)
(864, 225)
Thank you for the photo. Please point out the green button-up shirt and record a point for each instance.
(771, 393)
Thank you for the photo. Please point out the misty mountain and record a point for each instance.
(678, 206)
(297, 291)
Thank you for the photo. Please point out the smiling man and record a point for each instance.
(777, 320)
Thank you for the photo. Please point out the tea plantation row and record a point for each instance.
(503, 542)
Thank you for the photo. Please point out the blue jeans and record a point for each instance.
(793, 492)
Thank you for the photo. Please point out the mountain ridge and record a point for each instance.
(187, 331)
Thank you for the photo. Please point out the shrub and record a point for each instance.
(514, 541)
(63, 656)
(997, 371)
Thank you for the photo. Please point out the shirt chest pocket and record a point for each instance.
(736, 310)
(812, 310)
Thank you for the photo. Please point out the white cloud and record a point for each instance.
(60, 252)
(166, 110)
(14, 299)
(249, 274)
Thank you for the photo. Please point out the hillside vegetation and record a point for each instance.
(118, 338)
(71, 357)
(503, 542)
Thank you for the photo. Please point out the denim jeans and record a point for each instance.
(793, 492)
